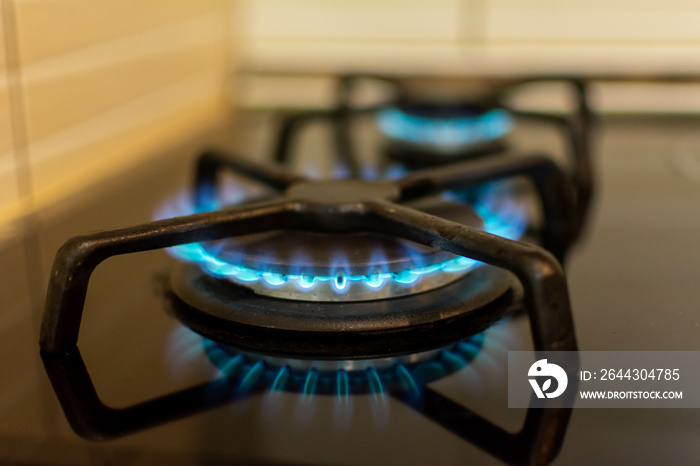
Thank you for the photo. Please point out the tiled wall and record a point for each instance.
(8, 176)
(89, 87)
(457, 36)
(291, 47)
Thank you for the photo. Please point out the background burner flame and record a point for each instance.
(502, 216)
(445, 131)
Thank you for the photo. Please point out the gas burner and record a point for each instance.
(298, 266)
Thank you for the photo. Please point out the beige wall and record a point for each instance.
(89, 87)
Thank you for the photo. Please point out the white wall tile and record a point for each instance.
(593, 22)
(473, 36)
(360, 20)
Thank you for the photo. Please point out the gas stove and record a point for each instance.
(351, 286)
(307, 309)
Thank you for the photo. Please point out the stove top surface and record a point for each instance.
(633, 284)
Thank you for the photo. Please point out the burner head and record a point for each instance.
(234, 315)
(311, 266)
(232, 295)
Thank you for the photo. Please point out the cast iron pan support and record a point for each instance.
(544, 284)
(577, 130)
(552, 185)
(340, 116)
(211, 164)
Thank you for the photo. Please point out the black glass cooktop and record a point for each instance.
(633, 285)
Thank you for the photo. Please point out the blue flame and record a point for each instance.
(480, 357)
(501, 217)
(445, 131)
(408, 381)
(281, 378)
(343, 384)
(249, 372)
